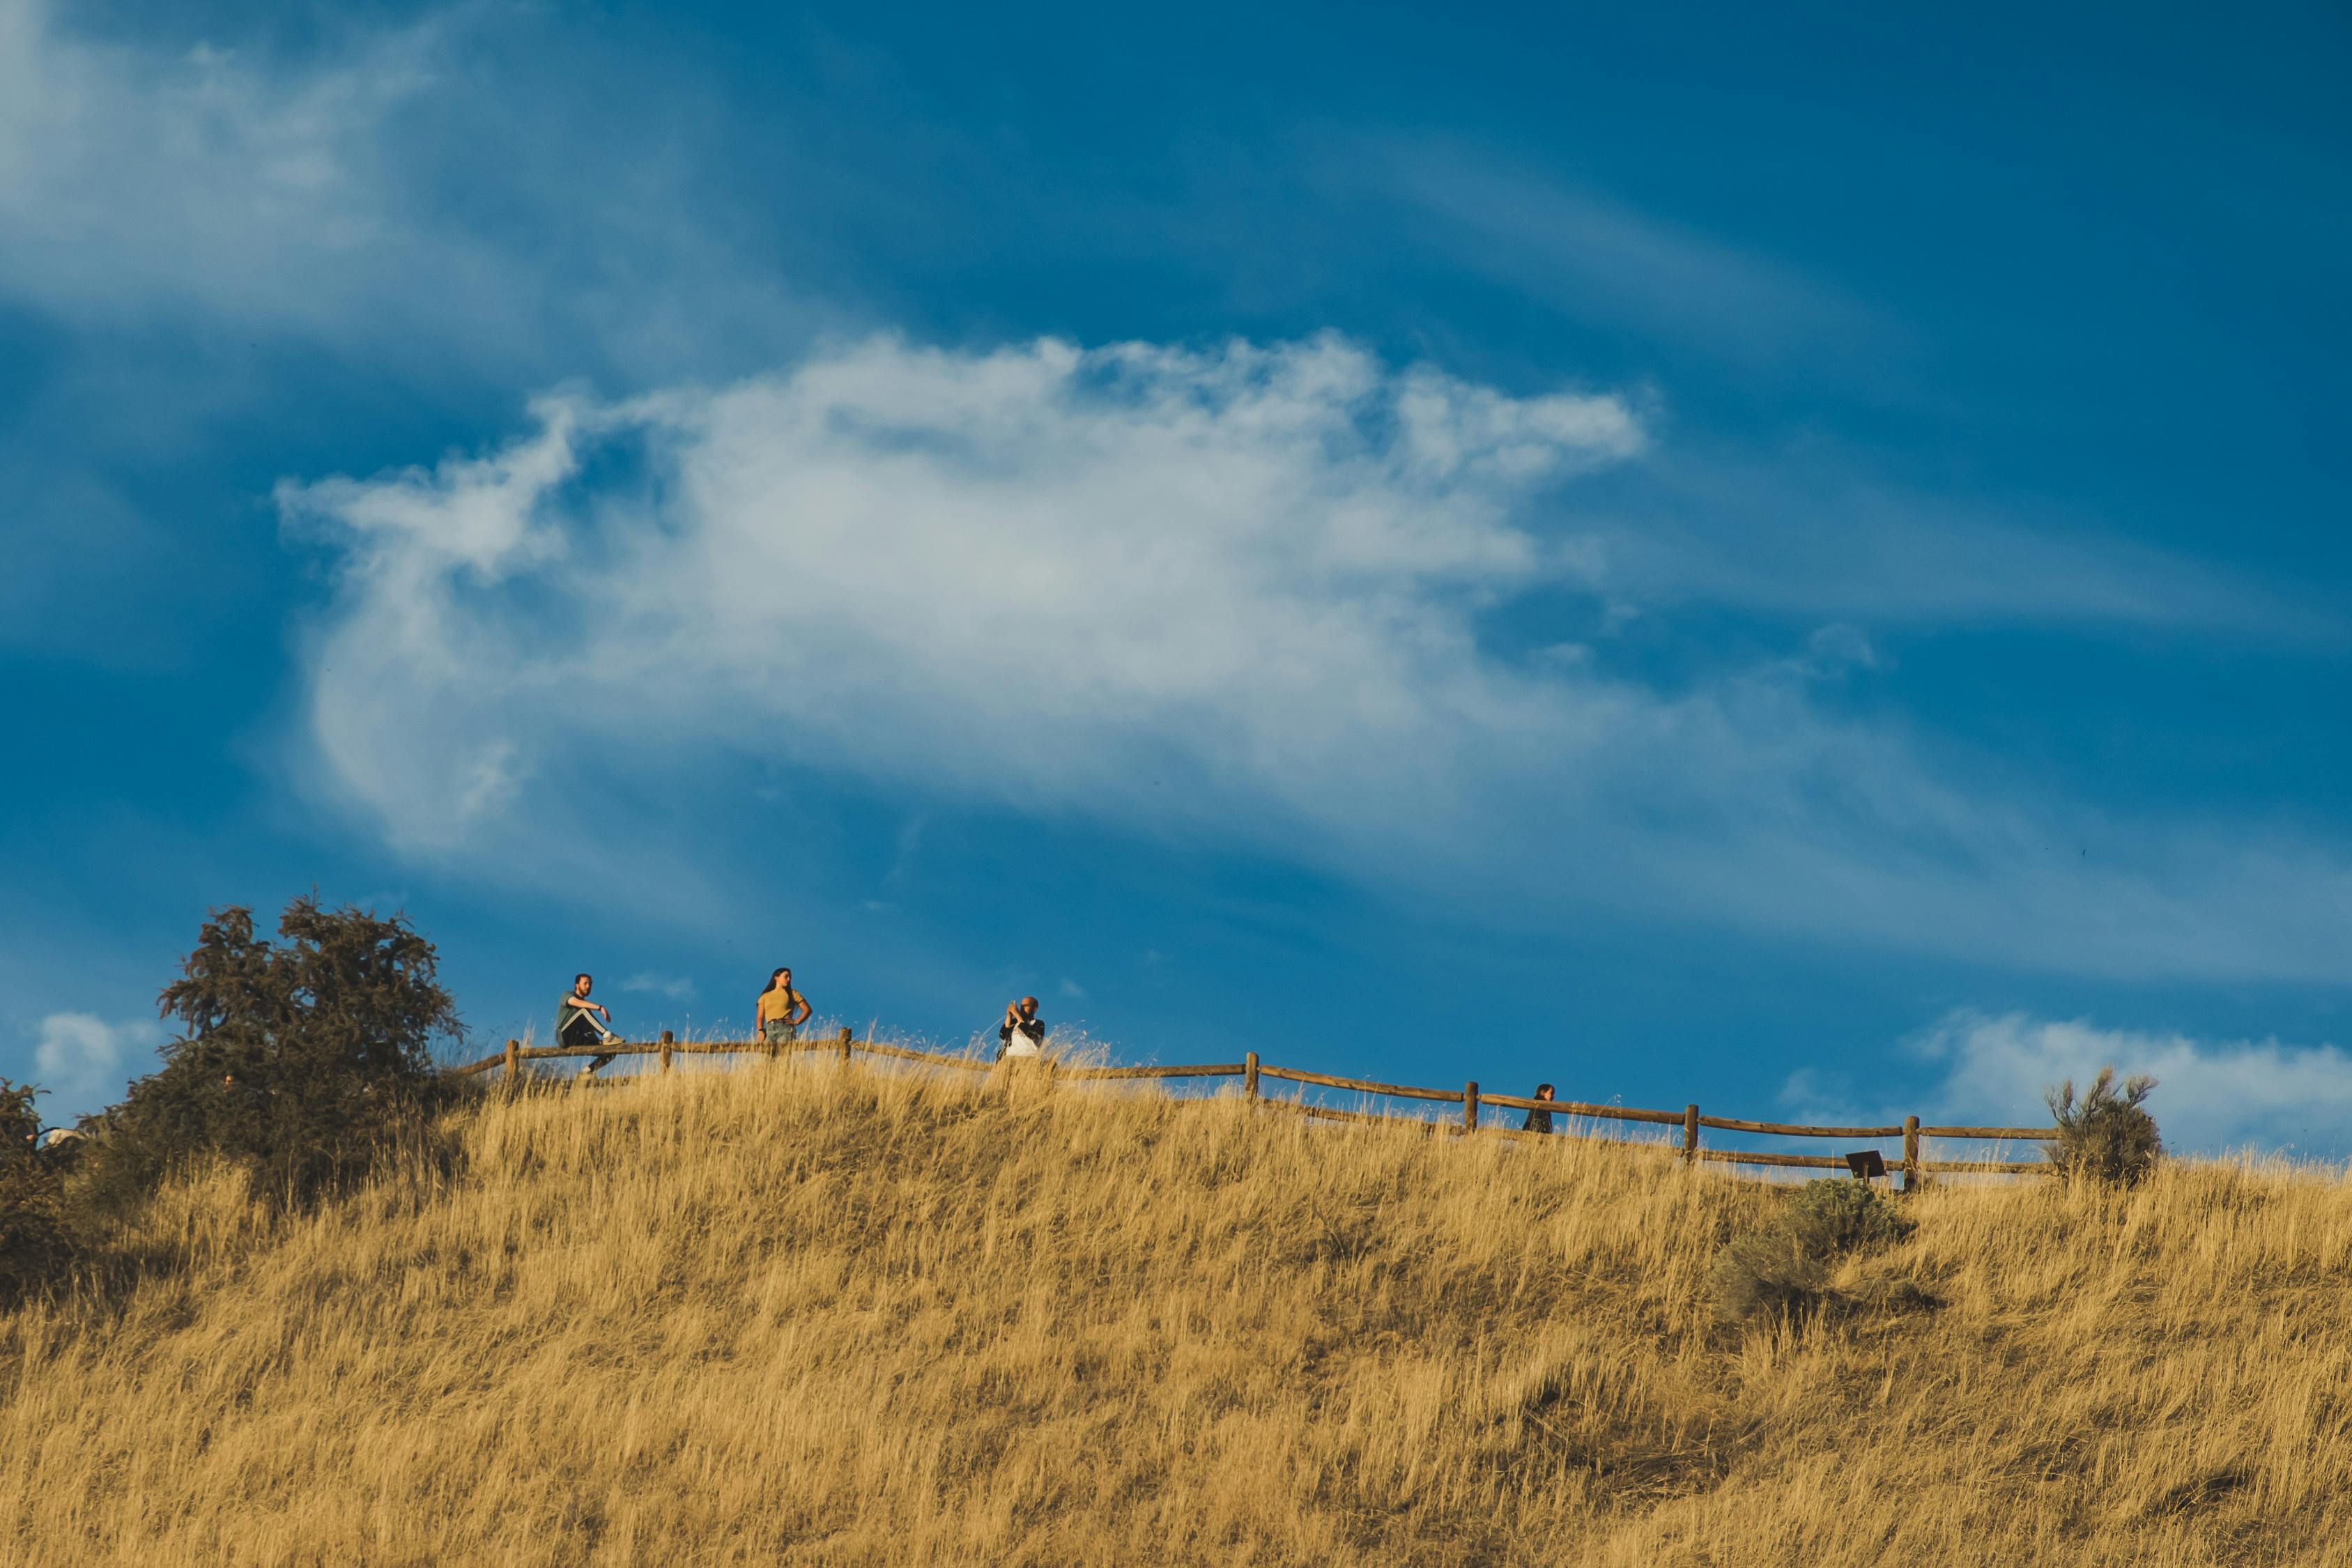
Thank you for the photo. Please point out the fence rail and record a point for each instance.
(1253, 1072)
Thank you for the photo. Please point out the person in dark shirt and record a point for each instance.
(580, 1022)
(1022, 1033)
(1538, 1120)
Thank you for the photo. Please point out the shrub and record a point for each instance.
(301, 1059)
(1784, 1271)
(1768, 1273)
(1831, 1220)
(32, 1233)
(2106, 1136)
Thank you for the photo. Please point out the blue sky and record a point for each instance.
(1795, 562)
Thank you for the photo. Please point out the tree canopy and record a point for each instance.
(302, 1055)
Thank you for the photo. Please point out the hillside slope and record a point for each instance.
(803, 1315)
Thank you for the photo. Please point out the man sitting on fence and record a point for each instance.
(580, 1022)
(1022, 1033)
(781, 1010)
(1538, 1120)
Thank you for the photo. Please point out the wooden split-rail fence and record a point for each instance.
(1253, 1073)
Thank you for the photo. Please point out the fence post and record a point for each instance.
(1470, 1106)
(665, 1054)
(1249, 1075)
(843, 1043)
(514, 1060)
(1690, 1135)
(1910, 1154)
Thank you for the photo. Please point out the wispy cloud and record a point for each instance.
(677, 988)
(1240, 591)
(1812, 532)
(475, 200)
(1602, 259)
(326, 197)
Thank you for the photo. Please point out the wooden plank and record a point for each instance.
(469, 1068)
(1794, 1129)
(1207, 1069)
(1832, 1162)
(1333, 1113)
(1616, 1113)
(1362, 1085)
(1578, 1108)
(2015, 1134)
(1690, 1135)
(1910, 1152)
(1249, 1075)
(1470, 1106)
(1741, 1157)
(935, 1058)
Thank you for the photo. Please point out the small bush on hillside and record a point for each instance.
(2105, 1136)
(1784, 1271)
(32, 1235)
(1832, 1219)
(303, 1058)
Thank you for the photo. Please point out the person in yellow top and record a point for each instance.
(783, 1010)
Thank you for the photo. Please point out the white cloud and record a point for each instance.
(85, 1062)
(1029, 572)
(1238, 591)
(2212, 1095)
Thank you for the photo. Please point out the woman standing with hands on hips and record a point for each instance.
(781, 1010)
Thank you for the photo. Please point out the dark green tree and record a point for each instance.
(32, 1235)
(304, 1057)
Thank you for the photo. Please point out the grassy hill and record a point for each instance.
(800, 1315)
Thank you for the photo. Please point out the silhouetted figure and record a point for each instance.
(1538, 1120)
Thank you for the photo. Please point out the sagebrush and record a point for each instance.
(1784, 1269)
(2107, 1135)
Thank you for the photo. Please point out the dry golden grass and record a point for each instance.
(803, 1315)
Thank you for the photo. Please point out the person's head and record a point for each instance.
(1028, 1006)
(582, 984)
(781, 975)
(1543, 1092)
